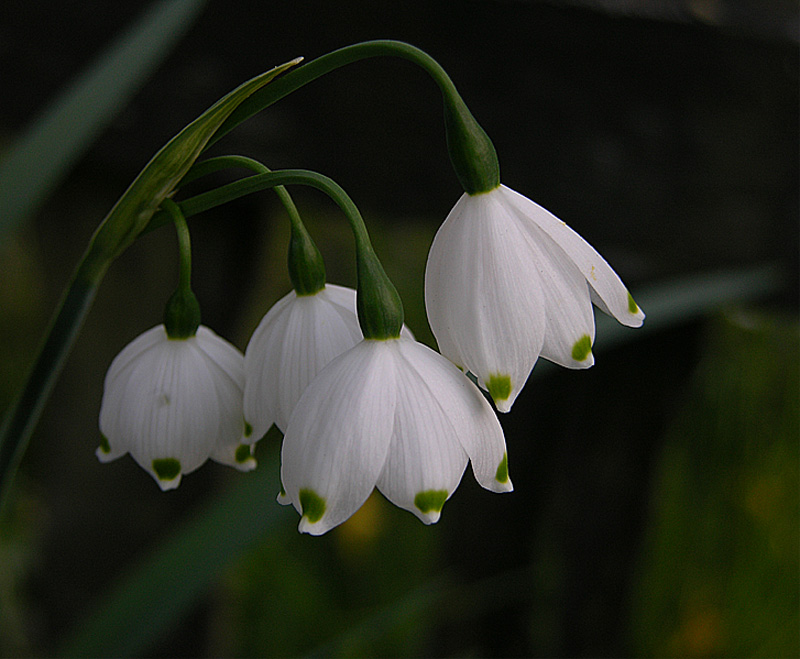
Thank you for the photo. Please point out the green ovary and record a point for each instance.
(499, 386)
(582, 348)
(430, 500)
(167, 469)
(312, 504)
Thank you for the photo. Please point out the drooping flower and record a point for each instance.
(507, 281)
(391, 414)
(294, 341)
(173, 403)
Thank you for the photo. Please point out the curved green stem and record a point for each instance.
(380, 310)
(211, 165)
(471, 151)
(270, 180)
(306, 267)
(182, 312)
(184, 243)
(302, 75)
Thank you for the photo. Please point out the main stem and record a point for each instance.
(471, 151)
(306, 73)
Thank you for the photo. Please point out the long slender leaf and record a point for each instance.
(150, 598)
(52, 144)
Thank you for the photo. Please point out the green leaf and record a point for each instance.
(158, 179)
(52, 144)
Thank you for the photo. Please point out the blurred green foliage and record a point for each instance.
(719, 572)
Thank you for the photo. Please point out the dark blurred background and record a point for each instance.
(656, 502)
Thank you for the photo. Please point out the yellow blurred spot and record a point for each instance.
(763, 498)
(700, 634)
(593, 274)
(359, 532)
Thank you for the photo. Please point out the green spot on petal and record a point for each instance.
(632, 306)
(430, 500)
(502, 470)
(248, 429)
(499, 386)
(105, 447)
(582, 348)
(167, 469)
(242, 453)
(312, 505)
(282, 492)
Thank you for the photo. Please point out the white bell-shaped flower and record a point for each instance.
(391, 414)
(507, 281)
(173, 403)
(296, 339)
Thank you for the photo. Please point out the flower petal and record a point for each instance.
(473, 422)
(425, 460)
(605, 283)
(239, 456)
(338, 436)
(226, 366)
(171, 403)
(484, 297)
(296, 339)
(569, 332)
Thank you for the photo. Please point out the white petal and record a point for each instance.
(226, 365)
(173, 403)
(473, 422)
(605, 283)
(425, 461)
(290, 346)
(239, 456)
(115, 384)
(262, 368)
(569, 332)
(338, 436)
(484, 297)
